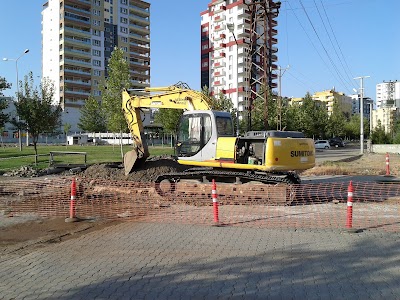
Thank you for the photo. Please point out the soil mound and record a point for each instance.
(147, 172)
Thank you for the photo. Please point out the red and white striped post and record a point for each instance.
(387, 165)
(72, 203)
(349, 219)
(214, 196)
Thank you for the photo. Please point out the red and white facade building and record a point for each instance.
(230, 63)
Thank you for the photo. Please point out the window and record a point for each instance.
(96, 2)
(224, 126)
(96, 72)
(96, 32)
(124, 11)
(124, 2)
(124, 20)
(96, 22)
(96, 52)
(96, 43)
(96, 12)
(96, 63)
(124, 29)
(97, 93)
(124, 39)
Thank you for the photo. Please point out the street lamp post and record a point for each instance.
(16, 70)
(280, 74)
(361, 112)
(231, 28)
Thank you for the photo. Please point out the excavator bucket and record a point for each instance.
(130, 159)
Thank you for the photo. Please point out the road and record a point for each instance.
(335, 154)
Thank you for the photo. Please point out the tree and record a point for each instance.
(92, 117)
(4, 85)
(258, 108)
(36, 110)
(3, 103)
(337, 121)
(118, 79)
(169, 118)
(379, 136)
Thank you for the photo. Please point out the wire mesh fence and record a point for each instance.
(321, 205)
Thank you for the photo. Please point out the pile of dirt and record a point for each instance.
(148, 172)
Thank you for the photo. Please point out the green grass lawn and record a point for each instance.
(12, 158)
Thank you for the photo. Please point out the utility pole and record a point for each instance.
(361, 112)
(280, 74)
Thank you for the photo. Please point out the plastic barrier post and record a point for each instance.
(72, 204)
(387, 165)
(349, 219)
(215, 201)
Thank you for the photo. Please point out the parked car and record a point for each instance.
(336, 142)
(322, 144)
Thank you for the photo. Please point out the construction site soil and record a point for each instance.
(25, 235)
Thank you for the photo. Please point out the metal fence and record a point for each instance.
(323, 205)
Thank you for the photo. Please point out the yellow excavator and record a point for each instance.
(206, 141)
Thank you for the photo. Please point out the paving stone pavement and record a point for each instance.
(169, 261)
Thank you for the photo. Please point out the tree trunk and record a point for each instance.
(36, 154)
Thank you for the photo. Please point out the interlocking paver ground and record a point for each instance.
(171, 261)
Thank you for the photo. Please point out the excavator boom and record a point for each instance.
(176, 96)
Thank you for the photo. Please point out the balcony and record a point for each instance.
(77, 71)
(74, 40)
(219, 18)
(77, 62)
(78, 52)
(75, 31)
(219, 73)
(138, 37)
(218, 46)
(243, 32)
(219, 82)
(139, 11)
(139, 20)
(139, 29)
(219, 65)
(77, 18)
(219, 55)
(219, 27)
(77, 92)
(76, 9)
(219, 8)
(78, 82)
(218, 37)
(242, 12)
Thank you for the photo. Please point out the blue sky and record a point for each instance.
(365, 31)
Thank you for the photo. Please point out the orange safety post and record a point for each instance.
(387, 165)
(215, 201)
(349, 219)
(72, 204)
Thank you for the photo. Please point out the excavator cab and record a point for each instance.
(198, 132)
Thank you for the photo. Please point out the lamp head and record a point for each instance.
(26, 51)
(5, 58)
(230, 26)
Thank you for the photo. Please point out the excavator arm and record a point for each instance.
(176, 97)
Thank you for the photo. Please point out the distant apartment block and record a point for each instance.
(386, 117)
(238, 52)
(78, 37)
(329, 96)
(388, 94)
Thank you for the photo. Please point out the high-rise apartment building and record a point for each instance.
(238, 52)
(388, 94)
(78, 37)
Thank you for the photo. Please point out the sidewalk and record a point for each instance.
(169, 261)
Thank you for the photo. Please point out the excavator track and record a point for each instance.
(166, 185)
